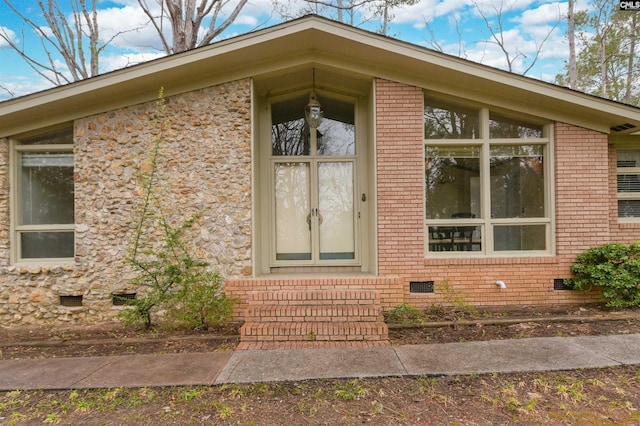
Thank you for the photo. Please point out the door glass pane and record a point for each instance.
(452, 182)
(336, 210)
(289, 131)
(292, 208)
(517, 181)
(336, 134)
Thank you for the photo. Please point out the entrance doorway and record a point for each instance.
(313, 175)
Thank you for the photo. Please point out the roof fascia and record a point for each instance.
(312, 40)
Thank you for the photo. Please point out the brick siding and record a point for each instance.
(582, 208)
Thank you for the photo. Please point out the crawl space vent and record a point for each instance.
(561, 284)
(122, 299)
(421, 286)
(71, 301)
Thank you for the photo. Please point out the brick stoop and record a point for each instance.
(301, 319)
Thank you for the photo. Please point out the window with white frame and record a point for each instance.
(43, 198)
(628, 171)
(486, 182)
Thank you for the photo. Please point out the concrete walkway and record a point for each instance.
(499, 356)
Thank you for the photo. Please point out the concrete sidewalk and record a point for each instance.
(499, 356)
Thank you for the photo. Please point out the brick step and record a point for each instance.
(309, 313)
(311, 345)
(313, 297)
(313, 331)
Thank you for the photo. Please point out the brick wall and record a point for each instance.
(400, 178)
(582, 194)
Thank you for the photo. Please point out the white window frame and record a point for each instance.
(17, 149)
(486, 222)
(626, 195)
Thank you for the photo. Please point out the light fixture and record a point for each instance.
(313, 112)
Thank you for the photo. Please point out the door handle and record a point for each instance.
(314, 212)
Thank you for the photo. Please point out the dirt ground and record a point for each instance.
(608, 396)
(415, 327)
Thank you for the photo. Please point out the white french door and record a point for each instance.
(314, 211)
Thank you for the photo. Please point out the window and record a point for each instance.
(43, 198)
(486, 182)
(628, 170)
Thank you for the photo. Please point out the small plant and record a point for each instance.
(613, 267)
(352, 390)
(456, 299)
(404, 313)
(171, 278)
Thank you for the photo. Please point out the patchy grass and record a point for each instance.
(603, 396)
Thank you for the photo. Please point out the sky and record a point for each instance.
(529, 29)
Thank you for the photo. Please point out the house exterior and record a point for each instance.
(428, 175)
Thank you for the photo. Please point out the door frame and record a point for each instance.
(264, 185)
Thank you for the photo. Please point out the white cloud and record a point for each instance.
(129, 28)
(115, 62)
(9, 34)
(14, 86)
(546, 14)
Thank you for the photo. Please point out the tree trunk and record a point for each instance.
(571, 35)
(631, 58)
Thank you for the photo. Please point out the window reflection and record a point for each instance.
(445, 120)
(501, 126)
(46, 188)
(290, 134)
(45, 197)
(336, 208)
(517, 181)
(336, 138)
(292, 206)
(452, 181)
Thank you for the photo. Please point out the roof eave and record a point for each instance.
(309, 37)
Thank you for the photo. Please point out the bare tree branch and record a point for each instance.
(11, 93)
(186, 18)
(63, 37)
(497, 36)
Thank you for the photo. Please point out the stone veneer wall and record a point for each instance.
(205, 166)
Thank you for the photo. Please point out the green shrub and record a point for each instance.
(201, 302)
(615, 268)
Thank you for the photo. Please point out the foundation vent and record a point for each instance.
(71, 301)
(421, 287)
(122, 299)
(562, 284)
